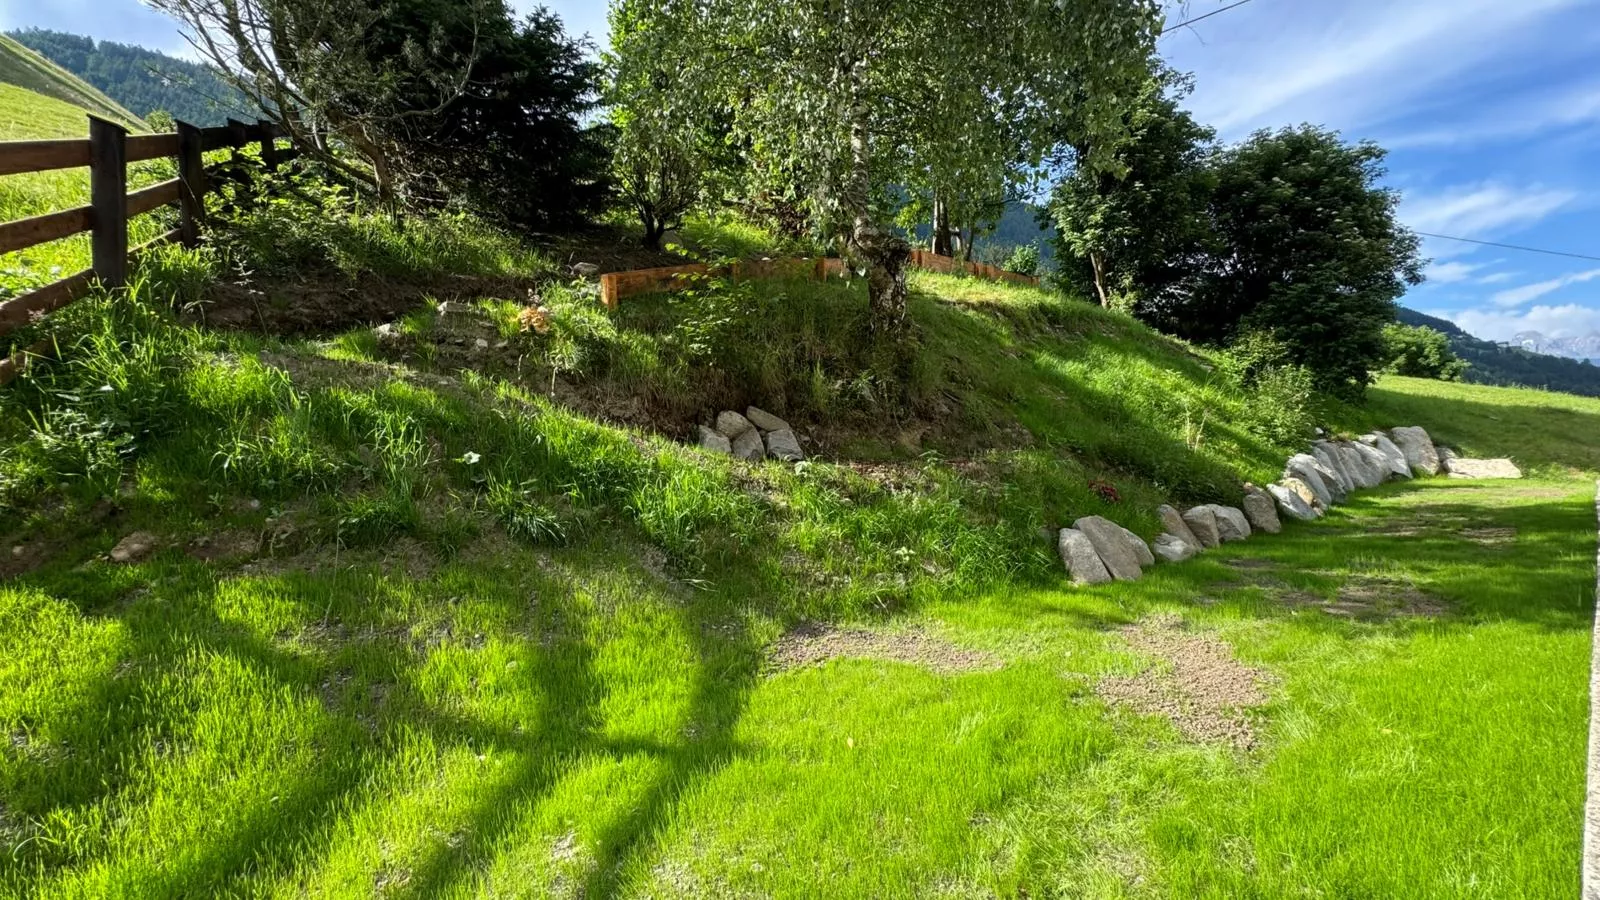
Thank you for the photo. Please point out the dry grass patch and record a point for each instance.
(1193, 680)
(813, 645)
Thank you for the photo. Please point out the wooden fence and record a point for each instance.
(616, 286)
(107, 153)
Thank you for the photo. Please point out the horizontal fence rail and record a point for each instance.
(107, 153)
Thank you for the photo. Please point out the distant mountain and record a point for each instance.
(1514, 363)
(142, 80)
(1585, 347)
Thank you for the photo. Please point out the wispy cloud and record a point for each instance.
(1497, 278)
(1529, 113)
(1529, 292)
(1567, 320)
(1451, 272)
(1482, 209)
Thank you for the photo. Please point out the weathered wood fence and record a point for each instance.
(107, 153)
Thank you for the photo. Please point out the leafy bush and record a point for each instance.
(1420, 352)
(1024, 260)
(1280, 396)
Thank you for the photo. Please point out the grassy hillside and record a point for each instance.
(1493, 363)
(26, 69)
(429, 617)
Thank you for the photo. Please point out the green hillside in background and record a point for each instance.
(143, 80)
(1499, 364)
(24, 68)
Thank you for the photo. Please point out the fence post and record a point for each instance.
(108, 196)
(192, 174)
(269, 144)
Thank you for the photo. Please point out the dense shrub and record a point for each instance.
(1420, 352)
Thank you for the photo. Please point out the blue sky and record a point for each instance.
(1490, 108)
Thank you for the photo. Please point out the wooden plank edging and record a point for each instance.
(24, 233)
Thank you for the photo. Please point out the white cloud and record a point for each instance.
(1480, 209)
(1451, 272)
(1497, 278)
(1349, 65)
(1568, 320)
(1525, 115)
(1530, 292)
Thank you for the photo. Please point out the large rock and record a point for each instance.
(1293, 504)
(1112, 544)
(1173, 548)
(715, 441)
(1421, 455)
(1461, 467)
(1202, 522)
(1231, 523)
(1377, 464)
(1328, 455)
(783, 445)
(1260, 509)
(1393, 456)
(1362, 471)
(1172, 522)
(1323, 483)
(766, 421)
(1141, 550)
(731, 424)
(1079, 556)
(748, 445)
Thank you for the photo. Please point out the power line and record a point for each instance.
(1446, 237)
(1166, 31)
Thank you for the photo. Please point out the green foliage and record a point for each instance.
(31, 71)
(144, 81)
(1501, 364)
(1024, 260)
(1420, 352)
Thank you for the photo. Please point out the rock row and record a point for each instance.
(753, 436)
(1096, 550)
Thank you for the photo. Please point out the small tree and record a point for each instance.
(1313, 252)
(836, 92)
(1420, 352)
(657, 174)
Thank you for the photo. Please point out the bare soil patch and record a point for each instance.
(813, 644)
(1370, 599)
(1193, 680)
(1490, 537)
(323, 303)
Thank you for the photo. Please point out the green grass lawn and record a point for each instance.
(414, 630)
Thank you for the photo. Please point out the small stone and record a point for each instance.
(1260, 509)
(1421, 455)
(1173, 522)
(18, 550)
(747, 445)
(455, 308)
(586, 270)
(1173, 548)
(1231, 523)
(1461, 467)
(731, 424)
(783, 445)
(1112, 544)
(766, 421)
(1141, 550)
(1292, 502)
(134, 547)
(715, 441)
(480, 344)
(1078, 555)
(1202, 523)
(255, 504)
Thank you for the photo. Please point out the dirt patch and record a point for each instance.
(329, 303)
(1490, 537)
(22, 557)
(812, 645)
(1250, 565)
(229, 545)
(1369, 599)
(1194, 681)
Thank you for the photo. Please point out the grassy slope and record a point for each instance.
(26, 69)
(542, 671)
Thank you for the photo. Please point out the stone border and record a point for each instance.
(1591, 805)
(1096, 550)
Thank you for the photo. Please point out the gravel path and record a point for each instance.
(1591, 806)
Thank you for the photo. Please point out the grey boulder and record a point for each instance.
(1202, 522)
(1393, 456)
(783, 445)
(1421, 455)
(1362, 472)
(1291, 502)
(766, 421)
(1173, 548)
(1461, 467)
(1322, 482)
(1377, 464)
(715, 441)
(1260, 509)
(748, 446)
(1141, 550)
(731, 424)
(1172, 521)
(1079, 556)
(1328, 455)
(1111, 542)
(1231, 523)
